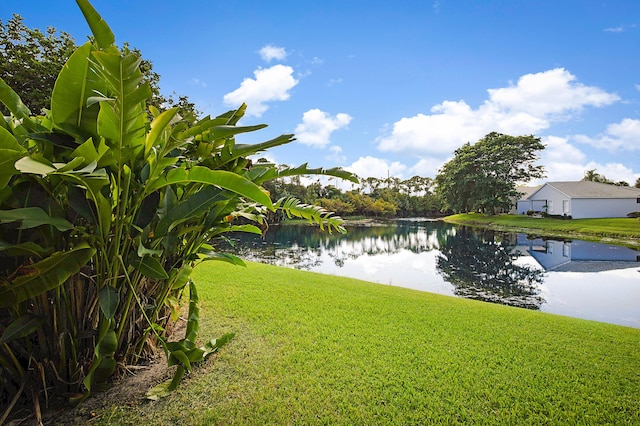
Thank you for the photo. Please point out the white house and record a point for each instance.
(525, 192)
(580, 200)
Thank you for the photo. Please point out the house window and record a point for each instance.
(638, 200)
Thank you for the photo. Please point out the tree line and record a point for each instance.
(372, 197)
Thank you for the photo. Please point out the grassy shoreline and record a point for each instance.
(319, 349)
(621, 231)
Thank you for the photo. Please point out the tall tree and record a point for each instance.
(483, 176)
(30, 60)
(593, 176)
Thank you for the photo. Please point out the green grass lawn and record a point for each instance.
(317, 349)
(623, 230)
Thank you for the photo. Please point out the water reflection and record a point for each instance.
(481, 265)
(578, 256)
(575, 278)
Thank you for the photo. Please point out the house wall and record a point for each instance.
(598, 208)
(526, 205)
(553, 199)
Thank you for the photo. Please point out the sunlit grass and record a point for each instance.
(627, 229)
(318, 349)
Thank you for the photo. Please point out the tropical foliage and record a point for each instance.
(105, 207)
(593, 176)
(31, 59)
(374, 197)
(483, 177)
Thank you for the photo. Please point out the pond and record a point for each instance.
(575, 278)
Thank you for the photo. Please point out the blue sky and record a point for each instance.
(382, 87)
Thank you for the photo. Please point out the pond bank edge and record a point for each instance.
(605, 238)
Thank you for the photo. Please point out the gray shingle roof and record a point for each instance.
(588, 189)
(527, 190)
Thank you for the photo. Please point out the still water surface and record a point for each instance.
(574, 278)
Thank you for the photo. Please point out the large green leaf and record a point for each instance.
(158, 125)
(101, 32)
(102, 154)
(69, 110)
(109, 298)
(211, 131)
(213, 345)
(30, 165)
(21, 327)
(220, 178)
(260, 174)
(165, 388)
(9, 142)
(14, 104)
(252, 229)
(223, 257)
(179, 278)
(194, 206)
(149, 267)
(29, 249)
(31, 217)
(230, 153)
(123, 120)
(292, 207)
(147, 211)
(92, 183)
(44, 275)
(8, 158)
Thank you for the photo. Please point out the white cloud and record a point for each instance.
(270, 52)
(565, 162)
(198, 82)
(528, 107)
(624, 135)
(613, 171)
(336, 154)
(617, 29)
(317, 126)
(548, 93)
(427, 167)
(559, 149)
(266, 156)
(270, 84)
(568, 171)
(369, 166)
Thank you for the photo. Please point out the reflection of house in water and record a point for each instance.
(578, 256)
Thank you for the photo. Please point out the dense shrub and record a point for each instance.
(556, 216)
(105, 207)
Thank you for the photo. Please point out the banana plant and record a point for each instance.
(106, 205)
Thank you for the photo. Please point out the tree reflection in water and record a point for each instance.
(480, 265)
(301, 246)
